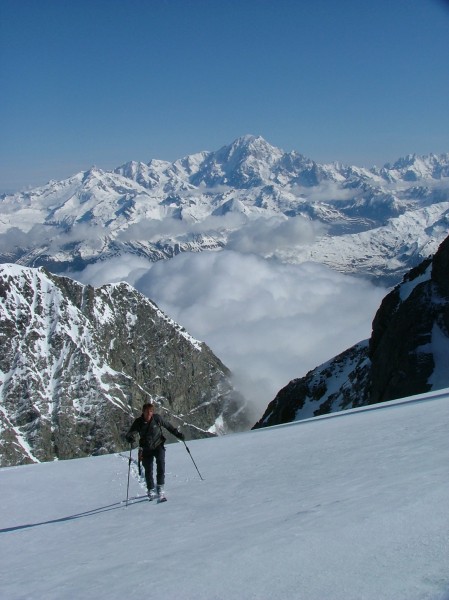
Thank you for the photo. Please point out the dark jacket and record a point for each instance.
(150, 434)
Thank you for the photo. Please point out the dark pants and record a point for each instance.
(147, 461)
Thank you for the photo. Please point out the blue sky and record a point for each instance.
(106, 81)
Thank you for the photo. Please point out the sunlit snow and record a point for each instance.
(351, 506)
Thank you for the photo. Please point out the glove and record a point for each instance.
(181, 436)
(129, 438)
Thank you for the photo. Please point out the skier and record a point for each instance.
(151, 441)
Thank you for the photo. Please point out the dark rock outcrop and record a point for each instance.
(407, 354)
(76, 364)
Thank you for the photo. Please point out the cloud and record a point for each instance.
(268, 322)
(265, 236)
(326, 191)
(80, 233)
(153, 230)
(13, 238)
(126, 267)
(52, 237)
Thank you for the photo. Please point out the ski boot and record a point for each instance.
(152, 494)
(161, 494)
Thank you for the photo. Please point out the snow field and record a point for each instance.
(352, 506)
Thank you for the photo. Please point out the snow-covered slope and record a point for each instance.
(347, 507)
(77, 362)
(375, 222)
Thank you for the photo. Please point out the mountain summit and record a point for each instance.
(377, 223)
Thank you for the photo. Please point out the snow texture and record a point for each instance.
(352, 506)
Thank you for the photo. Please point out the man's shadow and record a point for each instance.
(87, 513)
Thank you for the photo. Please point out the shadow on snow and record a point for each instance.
(87, 513)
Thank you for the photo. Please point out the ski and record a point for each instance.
(134, 499)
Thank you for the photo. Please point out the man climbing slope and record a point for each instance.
(151, 441)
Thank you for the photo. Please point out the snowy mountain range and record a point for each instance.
(76, 364)
(408, 352)
(376, 222)
(66, 351)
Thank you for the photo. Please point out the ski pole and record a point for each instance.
(187, 448)
(129, 469)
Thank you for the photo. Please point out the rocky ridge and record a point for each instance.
(407, 354)
(76, 364)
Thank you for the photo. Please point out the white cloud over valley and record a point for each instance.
(263, 236)
(268, 322)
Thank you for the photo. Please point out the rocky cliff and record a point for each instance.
(408, 352)
(76, 363)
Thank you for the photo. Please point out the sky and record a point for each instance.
(350, 506)
(103, 82)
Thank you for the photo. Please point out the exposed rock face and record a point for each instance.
(407, 354)
(76, 364)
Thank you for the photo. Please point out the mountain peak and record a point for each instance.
(414, 166)
(250, 175)
(254, 145)
(246, 162)
(53, 394)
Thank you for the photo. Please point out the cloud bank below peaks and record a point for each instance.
(268, 322)
(265, 236)
(259, 235)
